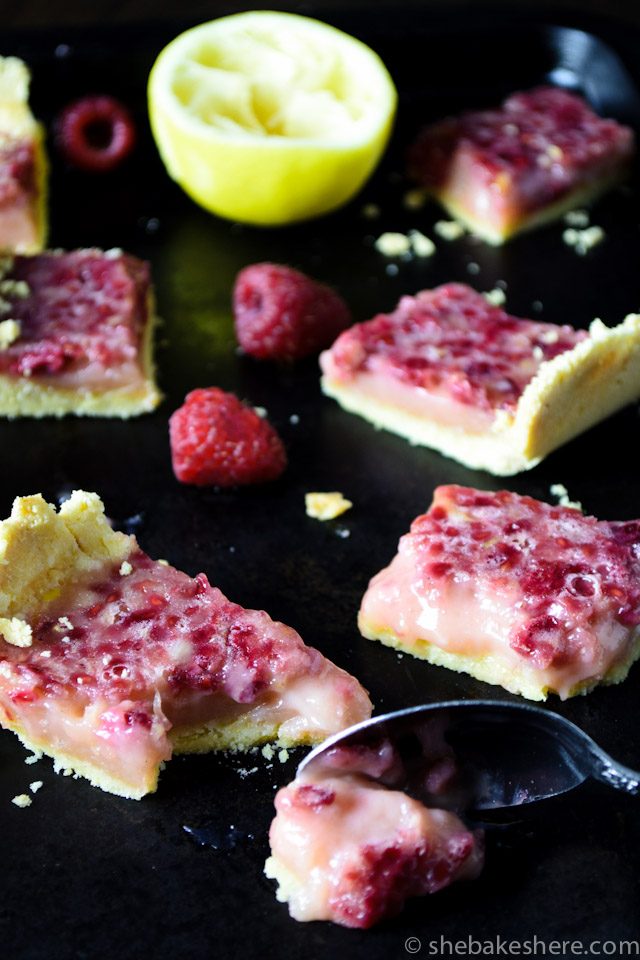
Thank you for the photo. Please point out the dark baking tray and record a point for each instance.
(88, 875)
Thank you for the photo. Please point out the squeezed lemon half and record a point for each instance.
(268, 118)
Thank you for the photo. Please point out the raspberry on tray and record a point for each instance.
(218, 441)
(76, 333)
(23, 164)
(281, 314)
(110, 661)
(449, 370)
(533, 597)
(524, 164)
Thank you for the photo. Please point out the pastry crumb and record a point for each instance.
(125, 568)
(393, 244)
(326, 506)
(22, 800)
(9, 333)
(261, 411)
(36, 785)
(577, 218)
(449, 229)
(473, 268)
(391, 269)
(495, 297)
(583, 240)
(414, 199)
(268, 752)
(64, 624)
(33, 757)
(283, 755)
(343, 532)
(560, 491)
(421, 245)
(371, 211)
(294, 419)
(16, 631)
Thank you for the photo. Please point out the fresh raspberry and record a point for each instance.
(95, 133)
(280, 314)
(217, 440)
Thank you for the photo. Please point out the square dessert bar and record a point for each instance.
(537, 156)
(450, 371)
(110, 661)
(76, 333)
(533, 597)
(23, 164)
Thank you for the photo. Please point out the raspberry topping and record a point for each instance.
(95, 133)
(541, 142)
(452, 341)
(124, 637)
(281, 314)
(572, 573)
(75, 310)
(217, 440)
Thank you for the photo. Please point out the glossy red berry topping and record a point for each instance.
(95, 133)
(218, 441)
(281, 314)
(567, 573)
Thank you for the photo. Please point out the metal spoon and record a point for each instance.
(471, 755)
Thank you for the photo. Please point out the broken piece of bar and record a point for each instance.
(76, 335)
(515, 592)
(451, 371)
(110, 661)
(539, 155)
(23, 164)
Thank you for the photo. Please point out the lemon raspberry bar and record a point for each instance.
(451, 371)
(76, 334)
(533, 597)
(540, 154)
(23, 164)
(110, 661)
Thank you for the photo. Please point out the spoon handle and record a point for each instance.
(618, 776)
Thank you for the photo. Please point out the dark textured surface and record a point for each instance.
(87, 875)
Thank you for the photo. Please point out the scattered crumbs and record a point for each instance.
(502, 284)
(65, 771)
(9, 333)
(583, 240)
(22, 800)
(64, 624)
(577, 218)
(268, 752)
(33, 757)
(283, 755)
(261, 411)
(35, 786)
(125, 568)
(343, 532)
(422, 246)
(19, 289)
(393, 244)
(495, 297)
(448, 229)
(246, 772)
(294, 419)
(163, 563)
(537, 306)
(371, 211)
(560, 491)
(232, 549)
(16, 631)
(326, 506)
(473, 268)
(414, 199)
(114, 253)
(392, 269)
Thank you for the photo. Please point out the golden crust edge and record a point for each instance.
(42, 551)
(490, 669)
(600, 375)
